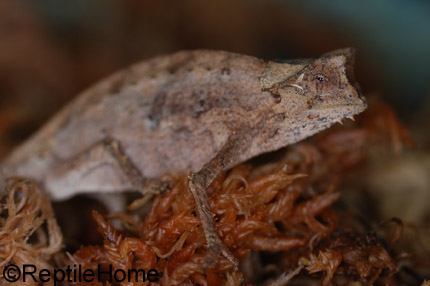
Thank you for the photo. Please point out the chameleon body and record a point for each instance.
(174, 113)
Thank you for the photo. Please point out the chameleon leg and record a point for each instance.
(103, 164)
(146, 186)
(139, 183)
(200, 181)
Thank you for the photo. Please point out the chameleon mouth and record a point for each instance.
(336, 113)
(336, 108)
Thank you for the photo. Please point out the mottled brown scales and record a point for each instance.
(193, 111)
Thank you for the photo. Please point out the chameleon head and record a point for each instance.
(322, 90)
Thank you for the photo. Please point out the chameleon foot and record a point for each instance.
(216, 247)
(216, 251)
(155, 186)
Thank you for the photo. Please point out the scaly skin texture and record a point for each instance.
(174, 113)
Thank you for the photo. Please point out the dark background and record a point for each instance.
(50, 50)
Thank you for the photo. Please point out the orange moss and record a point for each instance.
(282, 210)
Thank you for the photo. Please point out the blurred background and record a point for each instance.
(51, 50)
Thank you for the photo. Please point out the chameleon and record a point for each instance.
(198, 112)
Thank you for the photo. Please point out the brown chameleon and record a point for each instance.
(193, 111)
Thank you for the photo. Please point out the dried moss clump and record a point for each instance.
(278, 215)
(29, 233)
